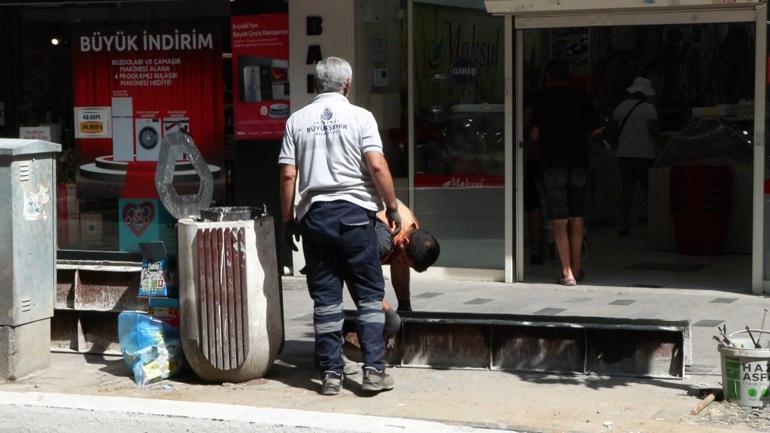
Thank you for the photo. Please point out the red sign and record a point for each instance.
(458, 181)
(153, 79)
(260, 46)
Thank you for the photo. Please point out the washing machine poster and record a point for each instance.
(260, 47)
(153, 79)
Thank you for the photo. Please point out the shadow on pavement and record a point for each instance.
(294, 366)
(596, 382)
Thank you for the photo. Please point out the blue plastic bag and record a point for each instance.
(151, 348)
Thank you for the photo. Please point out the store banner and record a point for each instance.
(260, 47)
(149, 80)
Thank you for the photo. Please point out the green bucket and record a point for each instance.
(746, 370)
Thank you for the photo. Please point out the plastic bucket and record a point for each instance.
(746, 370)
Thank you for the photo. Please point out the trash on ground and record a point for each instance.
(151, 348)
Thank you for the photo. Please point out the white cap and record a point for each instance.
(643, 86)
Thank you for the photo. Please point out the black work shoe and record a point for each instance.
(376, 381)
(332, 384)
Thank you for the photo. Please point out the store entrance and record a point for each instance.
(669, 199)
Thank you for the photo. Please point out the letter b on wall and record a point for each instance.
(314, 26)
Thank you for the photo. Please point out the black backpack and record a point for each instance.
(612, 130)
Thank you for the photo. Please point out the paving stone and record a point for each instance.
(708, 323)
(478, 301)
(623, 302)
(549, 311)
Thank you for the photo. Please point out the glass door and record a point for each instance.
(459, 130)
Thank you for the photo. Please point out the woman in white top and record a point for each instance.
(638, 123)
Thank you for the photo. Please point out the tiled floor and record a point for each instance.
(629, 262)
(704, 309)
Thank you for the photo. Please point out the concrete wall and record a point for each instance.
(337, 39)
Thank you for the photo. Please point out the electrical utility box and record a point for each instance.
(27, 254)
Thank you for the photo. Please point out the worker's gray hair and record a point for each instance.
(331, 74)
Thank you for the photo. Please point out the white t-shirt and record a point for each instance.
(327, 140)
(635, 140)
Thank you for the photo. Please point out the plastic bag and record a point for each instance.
(151, 348)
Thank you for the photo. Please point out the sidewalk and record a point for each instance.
(501, 400)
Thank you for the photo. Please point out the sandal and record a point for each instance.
(566, 281)
(581, 276)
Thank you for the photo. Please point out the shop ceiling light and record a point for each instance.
(55, 41)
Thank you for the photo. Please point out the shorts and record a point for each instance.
(384, 239)
(633, 170)
(565, 190)
(532, 180)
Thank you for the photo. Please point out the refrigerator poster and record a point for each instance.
(150, 80)
(260, 47)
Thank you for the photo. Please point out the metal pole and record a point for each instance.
(758, 245)
(519, 155)
(509, 155)
(410, 98)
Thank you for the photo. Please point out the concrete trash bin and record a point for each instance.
(229, 291)
(745, 369)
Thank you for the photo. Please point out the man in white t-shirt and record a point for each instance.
(334, 149)
(638, 122)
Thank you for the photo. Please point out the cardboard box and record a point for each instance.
(145, 220)
(165, 309)
(158, 272)
(67, 215)
(91, 230)
(154, 279)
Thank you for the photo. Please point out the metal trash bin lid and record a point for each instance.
(231, 213)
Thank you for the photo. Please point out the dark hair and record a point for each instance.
(557, 69)
(423, 249)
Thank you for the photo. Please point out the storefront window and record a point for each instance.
(459, 130)
(109, 84)
(693, 194)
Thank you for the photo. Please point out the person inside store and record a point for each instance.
(564, 120)
(533, 186)
(638, 126)
(333, 150)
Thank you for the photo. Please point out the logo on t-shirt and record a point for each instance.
(327, 115)
(327, 126)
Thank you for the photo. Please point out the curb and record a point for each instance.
(156, 411)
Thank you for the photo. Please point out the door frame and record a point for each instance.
(514, 110)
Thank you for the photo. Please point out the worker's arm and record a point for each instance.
(290, 229)
(383, 181)
(399, 277)
(535, 134)
(288, 180)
